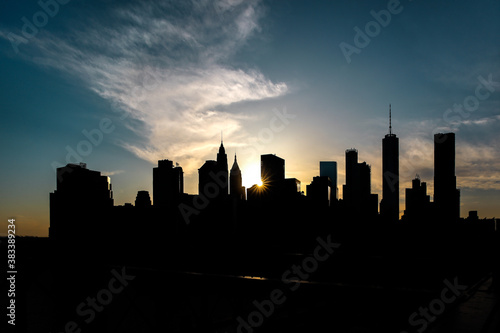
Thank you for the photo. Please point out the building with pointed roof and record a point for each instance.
(223, 168)
(235, 181)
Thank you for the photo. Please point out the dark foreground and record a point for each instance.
(59, 291)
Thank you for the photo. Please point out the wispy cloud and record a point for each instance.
(168, 66)
(482, 121)
(112, 173)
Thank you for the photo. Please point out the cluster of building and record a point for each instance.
(82, 190)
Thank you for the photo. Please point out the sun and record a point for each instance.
(251, 175)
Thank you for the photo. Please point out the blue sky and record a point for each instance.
(165, 77)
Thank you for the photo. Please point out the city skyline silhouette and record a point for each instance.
(358, 179)
(290, 91)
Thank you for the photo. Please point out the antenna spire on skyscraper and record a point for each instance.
(390, 120)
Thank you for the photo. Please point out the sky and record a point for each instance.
(120, 85)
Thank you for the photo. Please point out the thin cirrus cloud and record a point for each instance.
(112, 173)
(168, 67)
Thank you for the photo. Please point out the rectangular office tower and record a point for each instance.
(168, 184)
(329, 169)
(80, 203)
(272, 169)
(357, 188)
(446, 194)
(319, 191)
(417, 202)
(389, 206)
(351, 187)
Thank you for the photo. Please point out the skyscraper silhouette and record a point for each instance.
(351, 187)
(168, 184)
(80, 199)
(290, 188)
(319, 190)
(142, 199)
(389, 206)
(206, 182)
(255, 193)
(357, 190)
(329, 169)
(236, 189)
(446, 194)
(223, 168)
(272, 170)
(364, 179)
(272, 173)
(417, 206)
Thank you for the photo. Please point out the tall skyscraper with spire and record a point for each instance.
(222, 167)
(235, 182)
(389, 206)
